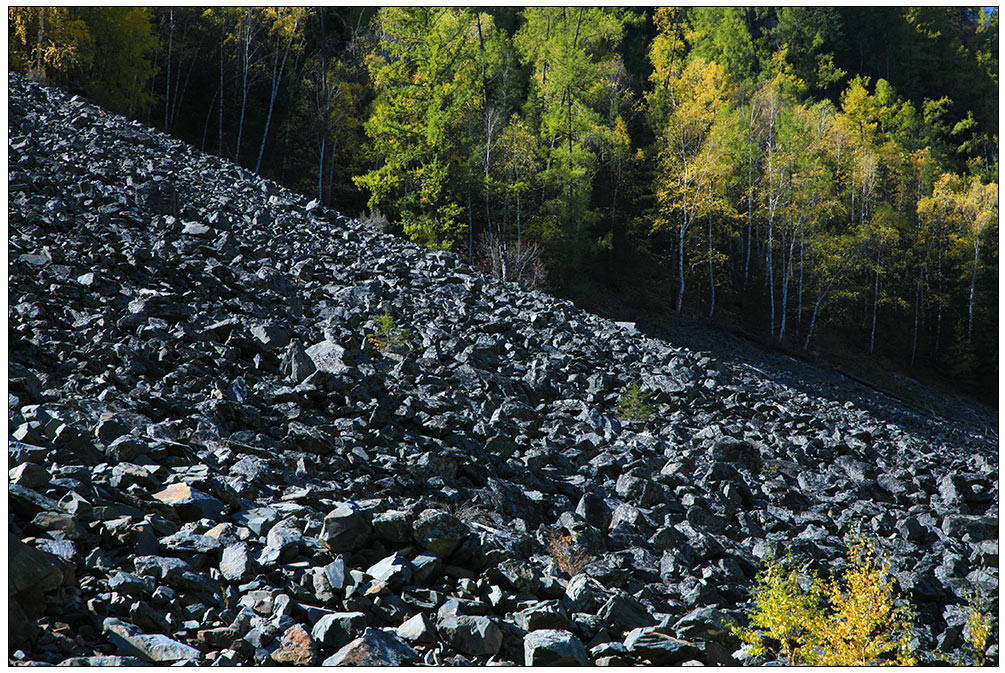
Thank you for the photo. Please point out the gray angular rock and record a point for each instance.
(346, 528)
(236, 563)
(546, 615)
(296, 648)
(29, 475)
(336, 629)
(374, 648)
(554, 647)
(189, 503)
(395, 569)
(419, 628)
(624, 613)
(660, 647)
(477, 636)
(579, 594)
(156, 648)
(327, 357)
(439, 532)
(296, 364)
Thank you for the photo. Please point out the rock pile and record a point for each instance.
(211, 462)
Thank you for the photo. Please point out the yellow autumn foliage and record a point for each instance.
(978, 625)
(855, 619)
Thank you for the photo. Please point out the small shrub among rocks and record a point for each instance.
(568, 555)
(978, 625)
(634, 404)
(389, 337)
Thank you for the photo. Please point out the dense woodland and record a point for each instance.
(821, 177)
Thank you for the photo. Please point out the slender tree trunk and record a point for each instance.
(331, 166)
(771, 271)
(246, 64)
(150, 86)
(799, 300)
(750, 225)
(680, 263)
(786, 277)
(180, 87)
(875, 310)
(219, 139)
(813, 321)
(488, 128)
(167, 88)
(321, 166)
(471, 231)
(973, 283)
(939, 301)
(711, 270)
(615, 231)
(205, 127)
(771, 239)
(278, 65)
(917, 311)
(39, 51)
(519, 230)
(179, 92)
(327, 104)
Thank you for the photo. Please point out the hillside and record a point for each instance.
(822, 178)
(217, 456)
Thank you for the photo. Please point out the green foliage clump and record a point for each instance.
(103, 51)
(389, 337)
(855, 619)
(634, 404)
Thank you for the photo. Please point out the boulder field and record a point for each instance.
(217, 456)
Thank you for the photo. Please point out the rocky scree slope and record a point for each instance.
(210, 462)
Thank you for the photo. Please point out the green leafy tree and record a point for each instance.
(102, 51)
(855, 619)
(49, 42)
(813, 200)
(970, 208)
(773, 99)
(516, 168)
(332, 106)
(634, 404)
(568, 50)
(720, 34)
(426, 79)
(120, 67)
(810, 35)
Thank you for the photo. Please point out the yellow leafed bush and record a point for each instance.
(978, 625)
(865, 623)
(783, 612)
(856, 619)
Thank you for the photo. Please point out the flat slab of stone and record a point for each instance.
(154, 648)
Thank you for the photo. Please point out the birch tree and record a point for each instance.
(691, 148)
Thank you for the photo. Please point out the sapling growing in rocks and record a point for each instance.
(389, 337)
(634, 404)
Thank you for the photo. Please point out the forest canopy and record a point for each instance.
(825, 177)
